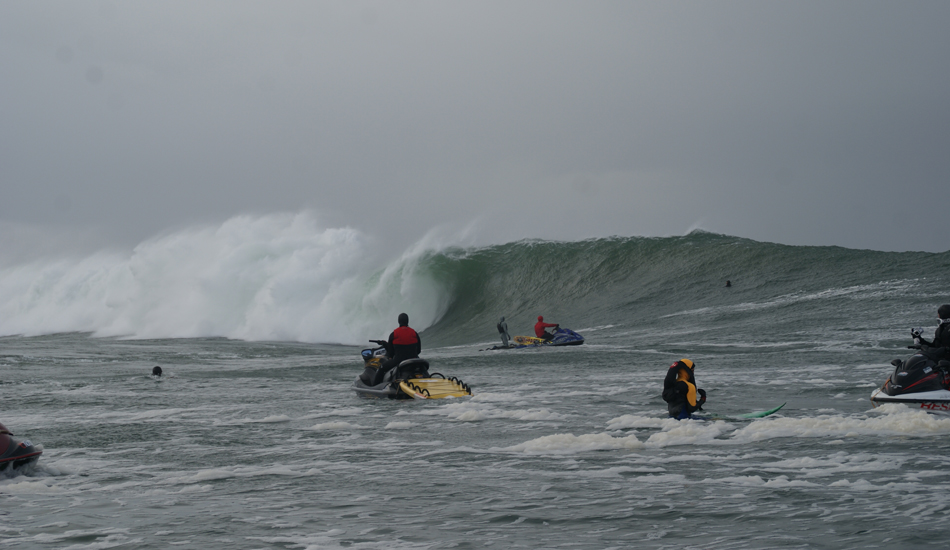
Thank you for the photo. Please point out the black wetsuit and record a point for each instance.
(502, 327)
(680, 393)
(940, 346)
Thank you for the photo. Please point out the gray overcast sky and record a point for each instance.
(796, 122)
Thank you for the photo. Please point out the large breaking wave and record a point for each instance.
(277, 277)
(285, 277)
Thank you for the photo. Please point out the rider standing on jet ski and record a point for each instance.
(941, 339)
(539, 329)
(679, 390)
(404, 343)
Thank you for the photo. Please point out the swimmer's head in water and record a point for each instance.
(156, 371)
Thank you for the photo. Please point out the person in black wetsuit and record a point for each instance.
(680, 392)
(404, 343)
(503, 331)
(940, 345)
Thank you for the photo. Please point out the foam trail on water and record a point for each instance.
(273, 277)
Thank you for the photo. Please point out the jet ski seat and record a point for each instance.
(412, 368)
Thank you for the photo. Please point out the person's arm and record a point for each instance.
(390, 350)
(918, 339)
(418, 344)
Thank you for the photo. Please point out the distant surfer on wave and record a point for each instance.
(539, 329)
(502, 327)
(679, 390)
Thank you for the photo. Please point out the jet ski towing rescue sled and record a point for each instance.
(920, 381)
(16, 453)
(409, 380)
(562, 337)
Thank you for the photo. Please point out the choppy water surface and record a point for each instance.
(246, 443)
(264, 445)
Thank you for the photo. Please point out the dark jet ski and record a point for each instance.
(409, 380)
(921, 381)
(14, 452)
(562, 337)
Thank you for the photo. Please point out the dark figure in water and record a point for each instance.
(940, 345)
(404, 343)
(156, 371)
(502, 327)
(728, 284)
(679, 390)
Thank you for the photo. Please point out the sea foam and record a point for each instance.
(274, 277)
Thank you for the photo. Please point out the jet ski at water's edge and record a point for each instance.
(16, 453)
(410, 379)
(921, 381)
(562, 337)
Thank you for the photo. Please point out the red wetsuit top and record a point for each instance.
(539, 328)
(404, 343)
(405, 336)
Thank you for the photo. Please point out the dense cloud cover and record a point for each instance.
(797, 122)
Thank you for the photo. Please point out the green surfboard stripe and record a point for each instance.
(760, 414)
(747, 416)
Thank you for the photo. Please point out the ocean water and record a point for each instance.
(253, 437)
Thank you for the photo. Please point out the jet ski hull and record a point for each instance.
(384, 390)
(16, 453)
(937, 401)
(416, 388)
(920, 381)
(562, 337)
(410, 380)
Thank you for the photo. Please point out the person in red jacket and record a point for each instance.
(404, 343)
(540, 326)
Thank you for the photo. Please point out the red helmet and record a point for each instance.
(540, 317)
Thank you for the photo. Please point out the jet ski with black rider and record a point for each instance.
(923, 379)
(16, 453)
(560, 336)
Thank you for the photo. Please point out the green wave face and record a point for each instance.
(674, 284)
